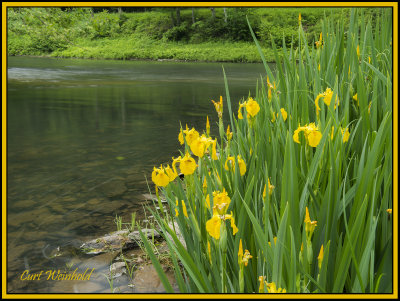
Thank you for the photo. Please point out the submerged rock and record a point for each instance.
(113, 188)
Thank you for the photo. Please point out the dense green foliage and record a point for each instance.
(161, 33)
(312, 193)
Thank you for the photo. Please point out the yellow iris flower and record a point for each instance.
(190, 135)
(159, 176)
(271, 288)
(310, 225)
(270, 189)
(326, 97)
(229, 134)
(319, 42)
(262, 282)
(252, 107)
(231, 161)
(312, 134)
(213, 225)
(219, 106)
(243, 259)
(283, 113)
(346, 134)
(187, 165)
(199, 145)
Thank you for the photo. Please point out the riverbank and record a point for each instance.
(147, 49)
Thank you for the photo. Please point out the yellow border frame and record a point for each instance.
(394, 295)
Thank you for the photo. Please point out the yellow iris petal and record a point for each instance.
(213, 226)
(252, 107)
(187, 165)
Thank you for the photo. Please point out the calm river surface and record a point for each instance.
(83, 136)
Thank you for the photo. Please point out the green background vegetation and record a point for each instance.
(194, 34)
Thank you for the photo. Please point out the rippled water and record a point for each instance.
(83, 136)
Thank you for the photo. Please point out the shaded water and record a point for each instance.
(82, 136)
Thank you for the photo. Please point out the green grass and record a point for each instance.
(346, 185)
(122, 48)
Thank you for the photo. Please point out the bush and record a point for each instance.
(105, 24)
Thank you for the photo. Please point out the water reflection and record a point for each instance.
(84, 135)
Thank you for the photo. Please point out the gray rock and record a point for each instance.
(117, 269)
(119, 240)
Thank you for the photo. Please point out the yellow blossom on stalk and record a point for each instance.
(358, 51)
(389, 211)
(240, 253)
(159, 177)
(269, 94)
(311, 133)
(191, 135)
(172, 174)
(208, 201)
(314, 138)
(273, 117)
(271, 288)
(252, 107)
(230, 217)
(246, 257)
(355, 97)
(270, 86)
(369, 60)
(187, 165)
(326, 97)
(218, 106)
(243, 258)
(284, 114)
(299, 18)
(369, 107)
(310, 225)
(332, 132)
(346, 135)
(241, 105)
(180, 136)
(319, 42)
(214, 150)
(199, 145)
(205, 185)
(262, 281)
(319, 67)
(275, 238)
(183, 208)
(229, 134)
(270, 189)
(221, 201)
(208, 126)
(320, 256)
(231, 160)
(213, 225)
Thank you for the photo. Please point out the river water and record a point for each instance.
(83, 137)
